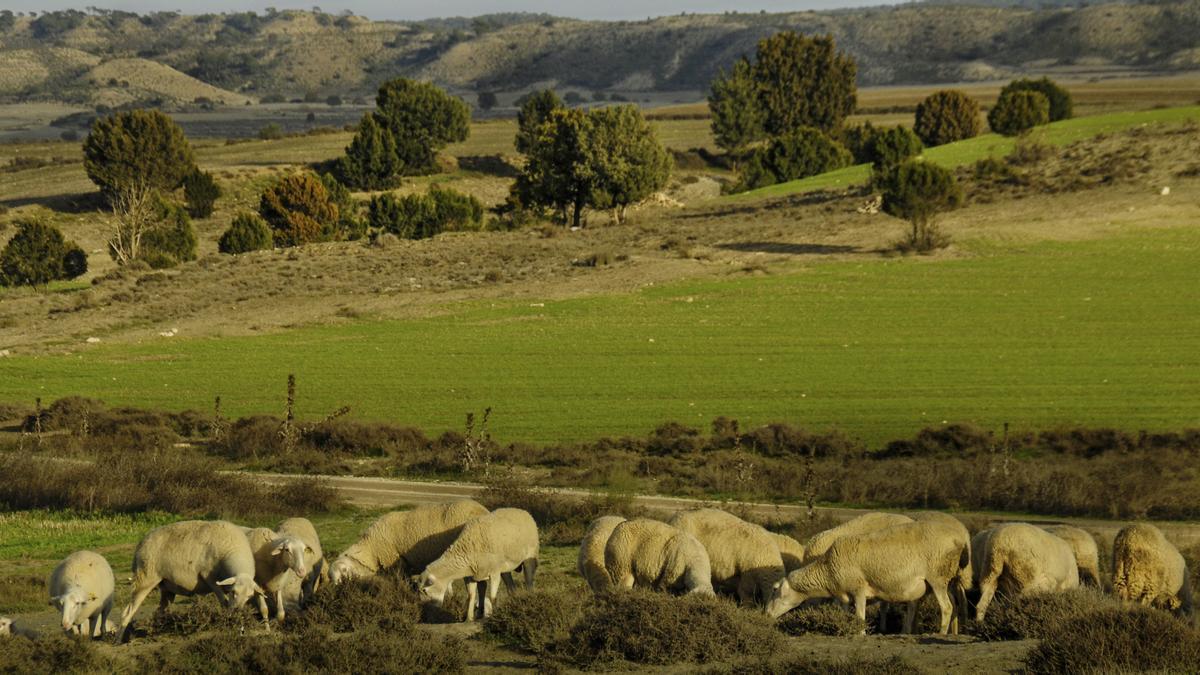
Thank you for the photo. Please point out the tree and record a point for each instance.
(38, 254)
(557, 172)
(627, 161)
(535, 110)
(135, 150)
(422, 119)
(803, 82)
(298, 210)
(246, 233)
(737, 119)
(371, 162)
(1061, 105)
(171, 240)
(133, 216)
(201, 191)
(947, 116)
(917, 191)
(799, 154)
(1019, 111)
(349, 225)
(887, 148)
(487, 100)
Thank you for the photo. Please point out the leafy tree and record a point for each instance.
(887, 148)
(171, 240)
(371, 162)
(737, 118)
(422, 119)
(557, 172)
(535, 110)
(487, 100)
(947, 116)
(135, 150)
(298, 210)
(246, 233)
(1019, 111)
(201, 192)
(627, 161)
(1061, 105)
(803, 82)
(917, 191)
(38, 254)
(799, 154)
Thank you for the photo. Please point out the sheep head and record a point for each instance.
(6, 626)
(784, 598)
(431, 588)
(346, 568)
(70, 605)
(243, 587)
(295, 554)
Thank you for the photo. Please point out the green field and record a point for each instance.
(988, 145)
(1098, 332)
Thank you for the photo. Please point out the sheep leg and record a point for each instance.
(960, 607)
(92, 622)
(942, 595)
(529, 567)
(910, 616)
(472, 590)
(493, 589)
(745, 590)
(508, 582)
(263, 611)
(987, 589)
(881, 619)
(860, 606)
(216, 590)
(280, 610)
(135, 603)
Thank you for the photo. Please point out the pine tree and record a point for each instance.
(38, 254)
(737, 118)
(138, 149)
(371, 162)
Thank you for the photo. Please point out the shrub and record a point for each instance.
(918, 191)
(201, 192)
(1033, 616)
(486, 100)
(38, 254)
(805, 152)
(172, 240)
(51, 654)
(204, 613)
(455, 211)
(737, 117)
(422, 119)
(1019, 111)
(888, 148)
(349, 225)
(371, 162)
(137, 148)
(658, 629)
(857, 139)
(803, 82)
(246, 233)
(535, 620)
(945, 117)
(418, 216)
(1117, 639)
(805, 665)
(384, 601)
(270, 132)
(1029, 151)
(827, 619)
(298, 210)
(1061, 106)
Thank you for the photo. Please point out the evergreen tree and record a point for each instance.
(298, 210)
(628, 163)
(38, 254)
(1061, 105)
(737, 118)
(246, 233)
(371, 162)
(201, 191)
(535, 110)
(803, 82)
(558, 173)
(1018, 111)
(947, 116)
(138, 149)
(917, 191)
(422, 119)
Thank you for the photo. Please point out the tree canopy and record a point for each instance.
(142, 149)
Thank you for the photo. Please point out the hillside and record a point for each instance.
(299, 54)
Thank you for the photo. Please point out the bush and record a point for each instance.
(805, 152)
(204, 613)
(421, 118)
(384, 601)
(371, 162)
(298, 210)
(945, 117)
(826, 619)
(857, 139)
(419, 216)
(805, 665)
(1033, 616)
(138, 147)
(38, 254)
(658, 629)
(270, 132)
(51, 654)
(1117, 639)
(917, 191)
(1061, 106)
(535, 620)
(246, 233)
(172, 240)
(349, 225)
(201, 192)
(1019, 111)
(888, 148)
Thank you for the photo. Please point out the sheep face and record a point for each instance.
(783, 599)
(345, 568)
(243, 588)
(70, 605)
(432, 589)
(295, 554)
(5, 626)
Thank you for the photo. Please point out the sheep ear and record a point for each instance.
(227, 582)
(277, 550)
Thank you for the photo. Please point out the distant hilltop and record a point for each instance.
(119, 58)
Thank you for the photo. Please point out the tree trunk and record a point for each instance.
(577, 216)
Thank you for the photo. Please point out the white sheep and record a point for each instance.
(819, 543)
(652, 554)
(1020, 558)
(790, 551)
(6, 626)
(192, 557)
(1148, 569)
(591, 552)
(965, 580)
(281, 562)
(408, 539)
(489, 548)
(1087, 554)
(303, 529)
(743, 557)
(81, 589)
(896, 564)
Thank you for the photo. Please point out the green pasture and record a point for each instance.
(1102, 332)
(988, 145)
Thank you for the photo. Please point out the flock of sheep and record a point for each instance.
(886, 557)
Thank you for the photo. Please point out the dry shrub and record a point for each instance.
(658, 629)
(21, 593)
(825, 619)
(561, 518)
(51, 654)
(1117, 639)
(204, 613)
(801, 665)
(384, 601)
(535, 620)
(1035, 615)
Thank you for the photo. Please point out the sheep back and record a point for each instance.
(414, 538)
(790, 551)
(1149, 569)
(820, 542)
(179, 554)
(741, 555)
(1028, 558)
(591, 551)
(887, 559)
(493, 543)
(1083, 545)
(653, 554)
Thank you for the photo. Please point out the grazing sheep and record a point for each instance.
(591, 552)
(897, 564)
(964, 581)
(280, 563)
(1021, 558)
(790, 551)
(192, 557)
(820, 542)
(651, 554)
(1087, 556)
(81, 589)
(1149, 570)
(303, 529)
(6, 626)
(488, 547)
(743, 557)
(409, 539)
